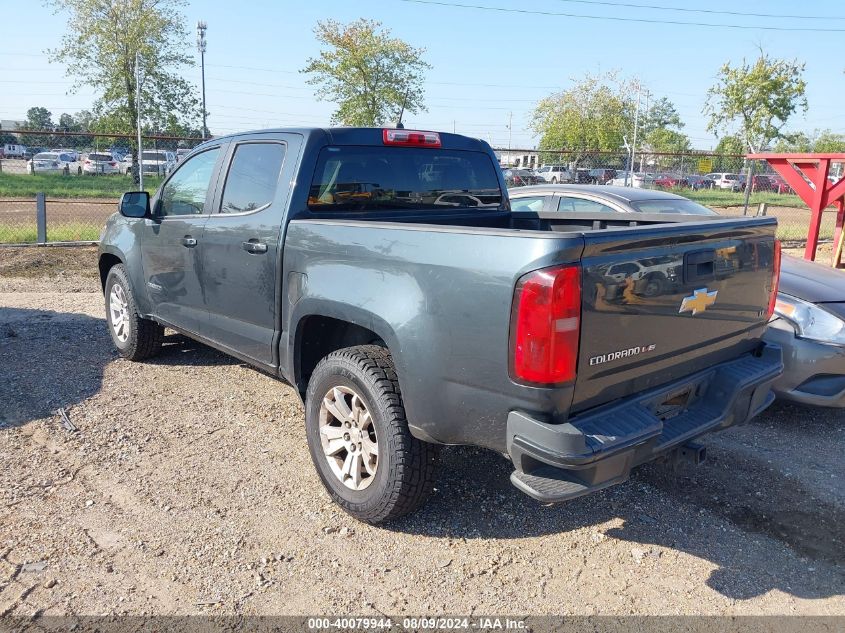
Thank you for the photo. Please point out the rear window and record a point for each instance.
(371, 178)
(46, 156)
(153, 156)
(681, 205)
(731, 176)
(100, 157)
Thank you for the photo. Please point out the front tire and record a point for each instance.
(134, 337)
(359, 438)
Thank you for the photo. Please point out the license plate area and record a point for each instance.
(673, 403)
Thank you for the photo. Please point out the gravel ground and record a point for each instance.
(188, 489)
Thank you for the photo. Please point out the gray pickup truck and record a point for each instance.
(382, 274)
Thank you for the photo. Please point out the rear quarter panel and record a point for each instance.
(440, 298)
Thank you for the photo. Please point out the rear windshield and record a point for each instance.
(100, 157)
(370, 178)
(153, 156)
(680, 205)
(46, 156)
(731, 176)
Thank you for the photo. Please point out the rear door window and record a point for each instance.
(569, 204)
(528, 203)
(357, 178)
(252, 178)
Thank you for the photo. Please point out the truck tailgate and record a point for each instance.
(662, 302)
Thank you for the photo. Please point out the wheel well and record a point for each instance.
(319, 336)
(107, 260)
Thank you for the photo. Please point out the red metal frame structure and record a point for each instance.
(807, 174)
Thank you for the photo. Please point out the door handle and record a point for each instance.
(254, 247)
(189, 241)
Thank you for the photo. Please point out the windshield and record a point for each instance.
(671, 205)
(369, 178)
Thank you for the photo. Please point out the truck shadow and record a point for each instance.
(761, 528)
(52, 359)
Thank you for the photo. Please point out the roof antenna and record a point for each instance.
(399, 124)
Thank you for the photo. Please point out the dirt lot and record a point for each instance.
(188, 489)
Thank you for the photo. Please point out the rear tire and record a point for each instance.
(359, 438)
(134, 337)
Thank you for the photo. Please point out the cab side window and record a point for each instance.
(252, 178)
(185, 192)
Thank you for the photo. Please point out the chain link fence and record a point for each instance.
(717, 181)
(78, 197)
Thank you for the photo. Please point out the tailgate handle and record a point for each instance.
(699, 266)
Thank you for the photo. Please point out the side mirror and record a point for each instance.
(135, 204)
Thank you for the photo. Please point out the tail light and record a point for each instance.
(773, 296)
(113, 164)
(87, 162)
(411, 138)
(546, 325)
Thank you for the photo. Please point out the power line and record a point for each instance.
(710, 11)
(621, 19)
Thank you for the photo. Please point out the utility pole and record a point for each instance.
(510, 132)
(634, 144)
(201, 44)
(138, 165)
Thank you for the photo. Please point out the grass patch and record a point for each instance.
(723, 198)
(28, 233)
(60, 186)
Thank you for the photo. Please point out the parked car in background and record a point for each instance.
(181, 153)
(638, 180)
(809, 314)
(51, 162)
(520, 177)
(100, 163)
(601, 175)
(158, 162)
(555, 174)
(30, 152)
(770, 182)
(12, 150)
(698, 182)
(669, 181)
(726, 180)
(70, 152)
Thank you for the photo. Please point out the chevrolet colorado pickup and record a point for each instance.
(381, 273)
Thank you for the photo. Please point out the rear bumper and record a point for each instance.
(557, 462)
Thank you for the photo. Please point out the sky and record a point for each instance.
(489, 67)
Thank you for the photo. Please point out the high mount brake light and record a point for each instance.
(773, 296)
(410, 138)
(546, 325)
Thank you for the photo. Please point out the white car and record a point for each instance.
(159, 163)
(100, 163)
(70, 152)
(12, 150)
(555, 174)
(725, 180)
(637, 180)
(50, 162)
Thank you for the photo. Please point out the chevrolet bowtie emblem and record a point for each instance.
(698, 301)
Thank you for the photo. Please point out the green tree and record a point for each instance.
(828, 142)
(100, 47)
(757, 98)
(366, 72)
(595, 114)
(661, 132)
(38, 118)
(733, 145)
(796, 142)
